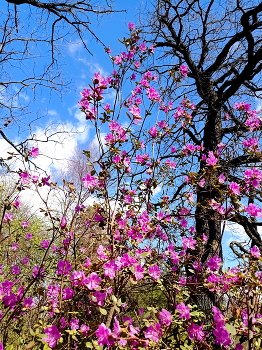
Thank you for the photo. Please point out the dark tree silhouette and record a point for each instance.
(221, 44)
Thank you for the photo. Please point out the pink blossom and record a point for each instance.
(103, 335)
(98, 218)
(195, 332)
(187, 104)
(107, 107)
(8, 217)
(25, 224)
(239, 346)
(253, 177)
(84, 329)
(153, 131)
(117, 159)
(16, 203)
(131, 26)
(152, 48)
(52, 336)
(93, 281)
(25, 260)
(77, 277)
(142, 158)
(253, 123)
(68, 293)
(79, 208)
(25, 177)
(89, 181)
(154, 272)
(165, 317)
(143, 47)
(218, 316)
(184, 311)
(38, 272)
(222, 335)
(34, 152)
(28, 303)
(137, 91)
(139, 272)
(152, 94)
(242, 106)
(252, 210)
(145, 83)
(183, 70)
(221, 178)
(14, 246)
(110, 269)
(16, 270)
(204, 237)
(202, 182)
(118, 60)
(63, 323)
(100, 297)
(154, 332)
(45, 181)
(162, 124)
(174, 257)
(117, 328)
(211, 160)
(63, 267)
(189, 243)
(109, 138)
(137, 64)
(114, 126)
(171, 164)
(9, 300)
(74, 323)
(251, 143)
(135, 111)
(87, 263)
(100, 252)
(189, 148)
(234, 188)
(122, 342)
(197, 265)
(214, 263)
(45, 244)
(255, 252)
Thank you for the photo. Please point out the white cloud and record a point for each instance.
(63, 139)
(157, 190)
(79, 115)
(74, 47)
(96, 143)
(52, 112)
(234, 232)
(4, 147)
(93, 67)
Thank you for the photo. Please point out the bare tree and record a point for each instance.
(220, 42)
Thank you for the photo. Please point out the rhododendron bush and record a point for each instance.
(127, 273)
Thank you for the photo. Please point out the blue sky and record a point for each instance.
(46, 107)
